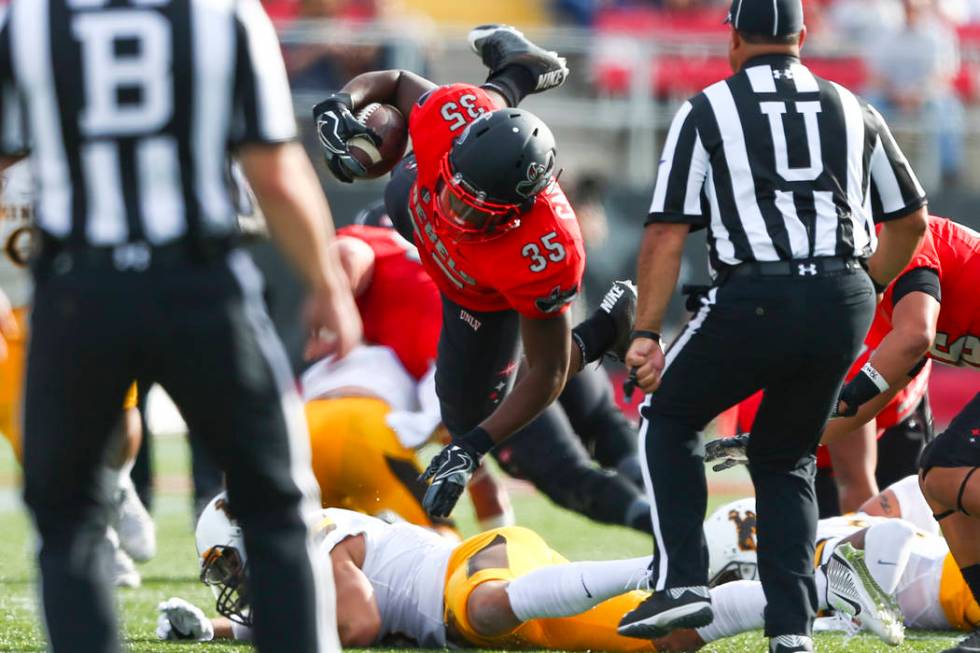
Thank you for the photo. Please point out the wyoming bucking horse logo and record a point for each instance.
(745, 527)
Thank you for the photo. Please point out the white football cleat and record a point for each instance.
(124, 573)
(137, 532)
(853, 591)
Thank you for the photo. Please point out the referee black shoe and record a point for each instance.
(969, 645)
(660, 613)
(791, 644)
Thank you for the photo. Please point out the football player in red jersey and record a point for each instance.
(934, 310)
(495, 232)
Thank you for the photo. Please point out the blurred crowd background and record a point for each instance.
(632, 63)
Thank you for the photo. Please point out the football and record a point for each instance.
(389, 124)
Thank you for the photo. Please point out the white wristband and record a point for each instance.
(875, 376)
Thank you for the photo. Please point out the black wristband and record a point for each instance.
(514, 82)
(867, 385)
(477, 441)
(639, 333)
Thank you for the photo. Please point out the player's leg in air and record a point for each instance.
(952, 488)
(549, 455)
(508, 589)
(603, 428)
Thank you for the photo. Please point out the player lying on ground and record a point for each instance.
(400, 307)
(934, 309)
(909, 567)
(479, 197)
(501, 589)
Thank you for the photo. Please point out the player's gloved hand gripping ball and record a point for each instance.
(451, 469)
(335, 127)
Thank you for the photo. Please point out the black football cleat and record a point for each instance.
(662, 612)
(502, 45)
(619, 304)
(791, 644)
(969, 645)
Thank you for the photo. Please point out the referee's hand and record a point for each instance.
(647, 357)
(8, 325)
(333, 322)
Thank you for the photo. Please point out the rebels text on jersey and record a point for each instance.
(401, 308)
(953, 252)
(535, 269)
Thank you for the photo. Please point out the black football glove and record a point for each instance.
(449, 472)
(335, 126)
(500, 46)
(731, 451)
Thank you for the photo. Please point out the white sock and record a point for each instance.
(820, 578)
(738, 606)
(569, 589)
(112, 477)
(887, 547)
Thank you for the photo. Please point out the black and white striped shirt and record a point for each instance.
(779, 164)
(130, 109)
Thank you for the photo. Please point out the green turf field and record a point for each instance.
(173, 572)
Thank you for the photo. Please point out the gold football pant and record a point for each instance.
(593, 629)
(12, 385)
(359, 462)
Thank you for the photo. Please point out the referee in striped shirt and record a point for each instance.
(788, 173)
(131, 110)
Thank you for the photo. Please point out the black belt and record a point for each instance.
(59, 256)
(810, 267)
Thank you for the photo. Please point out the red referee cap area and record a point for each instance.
(683, 75)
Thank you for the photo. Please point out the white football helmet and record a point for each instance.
(223, 561)
(730, 534)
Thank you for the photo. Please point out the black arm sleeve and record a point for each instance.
(918, 280)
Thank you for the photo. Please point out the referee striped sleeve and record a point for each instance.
(13, 132)
(897, 188)
(680, 178)
(265, 107)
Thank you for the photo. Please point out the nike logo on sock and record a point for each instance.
(890, 564)
(585, 587)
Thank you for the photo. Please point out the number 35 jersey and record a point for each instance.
(535, 268)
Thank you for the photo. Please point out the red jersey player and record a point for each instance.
(496, 234)
(392, 292)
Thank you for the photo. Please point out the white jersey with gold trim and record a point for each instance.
(406, 566)
(16, 233)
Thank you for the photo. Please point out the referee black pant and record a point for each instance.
(201, 331)
(794, 337)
